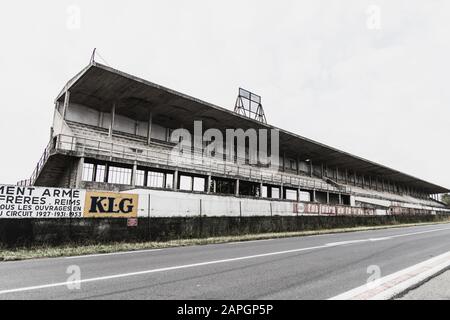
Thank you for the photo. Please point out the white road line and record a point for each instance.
(112, 254)
(388, 287)
(418, 232)
(250, 241)
(131, 274)
(124, 275)
(342, 243)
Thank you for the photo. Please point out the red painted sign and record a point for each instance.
(132, 222)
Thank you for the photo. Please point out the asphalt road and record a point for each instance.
(315, 267)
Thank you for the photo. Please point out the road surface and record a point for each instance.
(314, 267)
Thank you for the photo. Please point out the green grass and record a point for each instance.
(78, 249)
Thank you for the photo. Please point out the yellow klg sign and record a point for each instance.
(110, 205)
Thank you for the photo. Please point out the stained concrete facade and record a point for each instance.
(122, 142)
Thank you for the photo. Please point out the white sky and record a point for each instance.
(321, 69)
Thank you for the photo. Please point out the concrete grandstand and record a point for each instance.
(112, 131)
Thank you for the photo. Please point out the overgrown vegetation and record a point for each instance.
(77, 250)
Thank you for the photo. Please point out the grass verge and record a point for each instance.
(78, 249)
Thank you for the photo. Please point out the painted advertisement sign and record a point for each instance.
(19, 202)
(110, 205)
(324, 209)
(35, 202)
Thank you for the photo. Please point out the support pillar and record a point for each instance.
(314, 195)
(340, 199)
(80, 172)
(237, 188)
(208, 184)
(328, 197)
(175, 180)
(66, 104)
(113, 116)
(133, 174)
(149, 128)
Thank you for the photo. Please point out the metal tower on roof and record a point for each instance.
(249, 105)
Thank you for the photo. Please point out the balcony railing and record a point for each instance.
(171, 157)
(37, 170)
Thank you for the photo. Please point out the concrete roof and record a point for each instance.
(99, 86)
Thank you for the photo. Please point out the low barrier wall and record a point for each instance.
(27, 232)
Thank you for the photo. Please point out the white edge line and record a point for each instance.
(401, 287)
(112, 254)
(59, 284)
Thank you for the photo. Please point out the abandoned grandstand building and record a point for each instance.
(112, 132)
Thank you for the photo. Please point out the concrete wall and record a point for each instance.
(60, 126)
(82, 114)
(32, 232)
(86, 115)
(180, 204)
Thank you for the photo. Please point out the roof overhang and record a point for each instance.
(99, 87)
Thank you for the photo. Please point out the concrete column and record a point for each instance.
(311, 170)
(208, 185)
(79, 172)
(149, 129)
(261, 190)
(133, 174)
(175, 180)
(100, 119)
(340, 198)
(314, 196)
(66, 104)
(298, 194)
(328, 198)
(106, 173)
(237, 188)
(113, 116)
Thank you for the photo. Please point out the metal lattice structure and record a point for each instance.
(249, 105)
